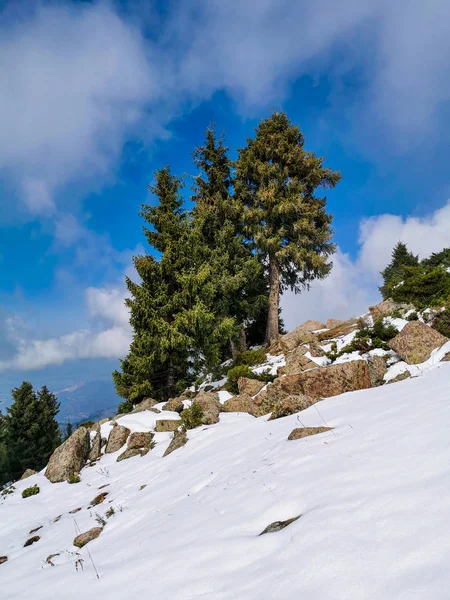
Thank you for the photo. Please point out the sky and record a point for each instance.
(95, 96)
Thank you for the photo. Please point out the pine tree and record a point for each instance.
(276, 181)
(437, 259)
(50, 433)
(4, 463)
(392, 275)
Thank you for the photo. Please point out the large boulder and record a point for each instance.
(167, 425)
(322, 382)
(70, 457)
(377, 369)
(302, 432)
(290, 405)
(242, 403)
(96, 444)
(415, 343)
(387, 307)
(249, 386)
(28, 473)
(175, 404)
(146, 404)
(210, 404)
(296, 361)
(84, 538)
(179, 439)
(140, 439)
(117, 438)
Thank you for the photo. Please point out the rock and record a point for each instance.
(75, 510)
(36, 529)
(210, 404)
(70, 457)
(377, 369)
(388, 306)
(316, 350)
(140, 439)
(249, 386)
(99, 499)
(278, 525)
(290, 405)
(301, 334)
(332, 323)
(167, 425)
(3, 559)
(102, 421)
(130, 452)
(117, 438)
(302, 432)
(446, 357)
(50, 557)
(322, 382)
(96, 444)
(31, 540)
(415, 343)
(400, 377)
(343, 329)
(242, 403)
(179, 439)
(145, 404)
(28, 473)
(84, 538)
(296, 361)
(175, 404)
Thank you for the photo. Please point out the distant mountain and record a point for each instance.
(92, 400)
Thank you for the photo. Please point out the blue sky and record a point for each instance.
(95, 96)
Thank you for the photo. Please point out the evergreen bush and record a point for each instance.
(31, 491)
(192, 417)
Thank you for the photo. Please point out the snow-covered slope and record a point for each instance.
(373, 495)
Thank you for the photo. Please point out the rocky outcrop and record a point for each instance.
(140, 439)
(296, 361)
(28, 473)
(146, 404)
(167, 425)
(302, 432)
(415, 343)
(332, 323)
(242, 403)
(96, 445)
(210, 404)
(84, 538)
(179, 439)
(117, 438)
(175, 404)
(289, 405)
(342, 329)
(316, 350)
(249, 386)
(300, 335)
(70, 457)
(377, 369)
(387, 307)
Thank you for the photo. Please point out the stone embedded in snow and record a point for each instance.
(96, 444)
(167, 425)
(278, 525)
(446, 357)
(242, 403)
(35, 529)
(290, 405)
(211, 406)
(140, 439)
(400, 377)
(179, 439)
(415, 343)
(28, 473)
(117, 438)
(146, 404)
(31, 540)
(130, 452)
(296, 361)
(301, 432)
(99, 499)
(175, 404)
(377, 369)
(249, 386)
(70, 457)
(86, 537)
(3, 559)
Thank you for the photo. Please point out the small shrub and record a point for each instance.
(412, 316)
(234, 374)
(125, 407)
(192, 417)
(74, 478)
(100, 520)
(251, 358)
(31, 491)
(8, 490)
(442, 322)
(110, 512)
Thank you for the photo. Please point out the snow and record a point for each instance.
(272, 364)
(224, 396)
(398, 323)
(322, 361)
(348, 357)
(373, 495)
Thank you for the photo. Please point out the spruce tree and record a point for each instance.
(392, 275)
(50, 433)
(276, 181)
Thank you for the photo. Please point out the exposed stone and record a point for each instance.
(146, 404)
(179, 439)
(210, 404)
(84, 538)
(300, 335)
(415, 343)
(99, 499)
(446, 357)
(249, 386)
(377, 369)
(332, 323)
(50, 557)
(140, 439)
(70, 457)
(290, 405)
(400, 377)
(28, 473)
(388, 306)
(36, 529)
(296, 361)
(96, 444)
(117, 438)
(278, 525)
(102, 421)
(31, 540)
(302, 432)
(322, 382)
(130, 452)
(316, 350)
(75, 510)
(3, 559)
(175, 404)
(242, 403)
(343, 329)
(167, 425)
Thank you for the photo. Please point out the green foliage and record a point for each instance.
(366, 339)
(437, 259)
(413, 316)
(74, 478)
(125, 407)
(87, 424)
(423, 286)
(31, 491)
(394, 272)
(251, 357)
(69, 430)
(110, 512)
(192, 417)
(244, 371)
(442, 321)
(7, 491)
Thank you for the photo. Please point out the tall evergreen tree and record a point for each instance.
(50, 432)
(437, 259)
(276, 181)
(392, 275)
(4, 463)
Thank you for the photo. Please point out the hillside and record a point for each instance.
(371, 495)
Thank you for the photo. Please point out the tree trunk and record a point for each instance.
(274, 298)
(240, 344)
(170, 382)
